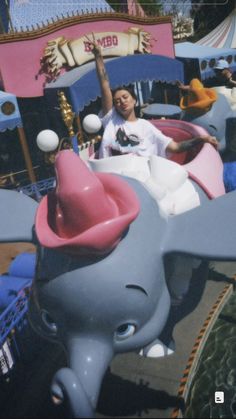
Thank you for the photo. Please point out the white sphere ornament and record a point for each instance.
(47, 140)
(92, 123)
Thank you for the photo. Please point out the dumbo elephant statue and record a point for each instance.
(100, 285)
(219, 121)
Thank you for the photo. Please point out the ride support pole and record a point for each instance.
(26, 154)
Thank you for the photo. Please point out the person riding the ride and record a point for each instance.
(124, 132)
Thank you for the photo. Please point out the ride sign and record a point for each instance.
(60, 52)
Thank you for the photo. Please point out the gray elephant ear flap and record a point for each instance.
(17, 214)
(208, 231)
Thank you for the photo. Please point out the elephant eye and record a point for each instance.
(48, 321)
(125, 331)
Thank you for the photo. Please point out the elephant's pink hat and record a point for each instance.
(87, 212)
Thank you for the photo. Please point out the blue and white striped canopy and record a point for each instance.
(81, 84)
(28, 13)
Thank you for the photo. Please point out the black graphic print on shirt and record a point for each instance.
(125, 140)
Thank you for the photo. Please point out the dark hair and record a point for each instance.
(128, 89)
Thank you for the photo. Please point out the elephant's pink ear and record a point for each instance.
(17, 214)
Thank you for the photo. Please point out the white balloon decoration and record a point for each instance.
(47, 140)
(92, 123)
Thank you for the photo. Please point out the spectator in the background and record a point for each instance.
(224, 76)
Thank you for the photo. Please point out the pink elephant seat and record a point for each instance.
(203, 163)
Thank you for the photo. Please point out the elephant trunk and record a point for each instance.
(80, 384)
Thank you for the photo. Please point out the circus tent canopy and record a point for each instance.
(27, 13)
(81, 84)
(224, 35)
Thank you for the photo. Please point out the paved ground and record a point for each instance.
(9, 251)
(134, 386)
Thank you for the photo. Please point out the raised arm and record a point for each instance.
(107, 101)
(229, 78)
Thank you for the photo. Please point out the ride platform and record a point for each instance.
(134, 386)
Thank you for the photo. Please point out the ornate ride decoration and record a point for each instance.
(60, 52)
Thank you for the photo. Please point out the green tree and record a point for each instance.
(115, 5)
(150, 7)
(209, 14)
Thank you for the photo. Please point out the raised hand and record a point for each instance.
(107, 101)
(95, 47)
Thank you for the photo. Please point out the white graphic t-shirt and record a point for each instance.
(139, 137)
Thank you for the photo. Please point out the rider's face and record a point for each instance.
(124, 102)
